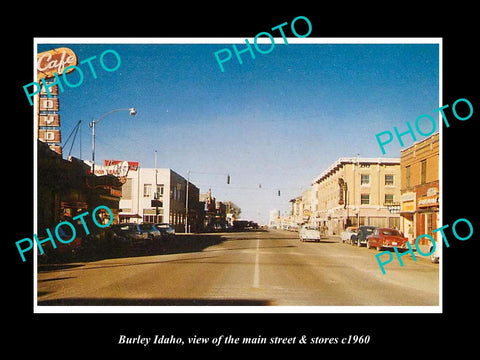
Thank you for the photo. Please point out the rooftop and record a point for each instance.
(353, 160)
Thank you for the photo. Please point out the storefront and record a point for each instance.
(407, 213)
(420, 190)
(427, 214)
(65, 188)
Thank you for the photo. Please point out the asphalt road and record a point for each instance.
(248, 268)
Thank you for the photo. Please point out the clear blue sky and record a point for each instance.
(277, 120)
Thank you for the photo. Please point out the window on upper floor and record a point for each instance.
(364, 179)
(147, 190)
(423, 177)
(365, 199)
(389, 198)
(407, 176)
(389, 179)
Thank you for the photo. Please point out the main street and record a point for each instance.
(244, 268)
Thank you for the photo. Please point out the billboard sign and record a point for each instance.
(55, 61)
(119, 169)
(48, 104)
(49, 120)
(53, 89)
(132, 165)
(49, 63)
(49, 136)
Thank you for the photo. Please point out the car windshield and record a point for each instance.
(391, 232)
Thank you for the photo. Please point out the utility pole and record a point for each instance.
(155, 196)
(132, 111)
(186, 203)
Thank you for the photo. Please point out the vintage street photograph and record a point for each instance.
(269, 174)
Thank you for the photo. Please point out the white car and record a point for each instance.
(309, 232)
(347, 234)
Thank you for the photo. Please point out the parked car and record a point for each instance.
(218, 227)
(165, 229)
(68, 247)
(130, 234)
(348, 233)
(386, 238)
(151, 230)
(309, 232)
(360, 237)
(62, 250)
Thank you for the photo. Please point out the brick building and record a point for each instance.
(419, 165)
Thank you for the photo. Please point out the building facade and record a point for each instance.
(159, 196)
(420, 193)
(302, 209)
(357, 191)
(274, 219)
(66, 188)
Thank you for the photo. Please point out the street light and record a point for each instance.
(132, 111)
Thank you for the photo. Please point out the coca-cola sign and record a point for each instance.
(55, 61)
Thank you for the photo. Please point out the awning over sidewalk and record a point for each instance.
(130, 216)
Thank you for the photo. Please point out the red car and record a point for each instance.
(386, 238)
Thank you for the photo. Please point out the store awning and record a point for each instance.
(130, 216)
(403, 213)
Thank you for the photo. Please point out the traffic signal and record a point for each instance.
(228, 179)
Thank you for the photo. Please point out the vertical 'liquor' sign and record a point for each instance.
(50, 63)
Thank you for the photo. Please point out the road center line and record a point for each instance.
(256, 273)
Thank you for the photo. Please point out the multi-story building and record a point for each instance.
(274, 219)
(301, 210)
(296, 211)
(159, 196)
(419, 165)
(357, 191)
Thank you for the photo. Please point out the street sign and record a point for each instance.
(156, 203)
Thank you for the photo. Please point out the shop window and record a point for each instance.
(152, 218)
(394, 223)
(377, 221)
(429, 225)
